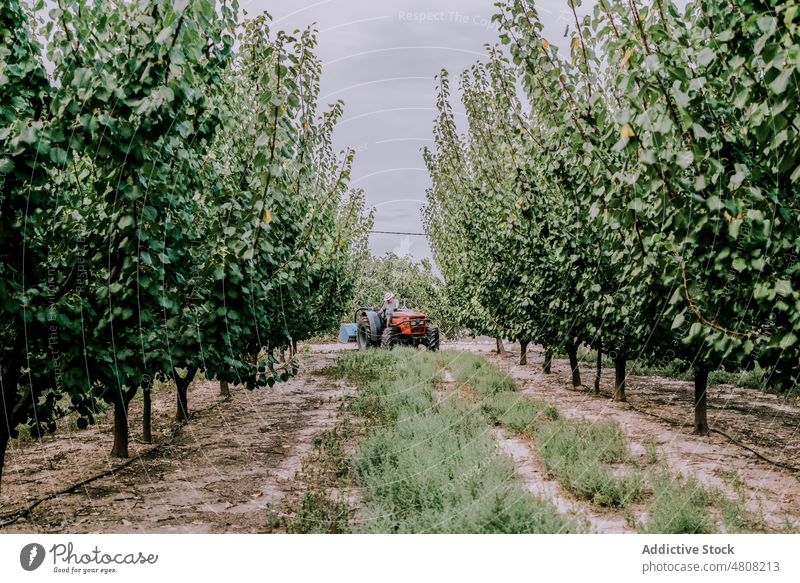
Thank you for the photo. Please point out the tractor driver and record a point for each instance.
(390, 304)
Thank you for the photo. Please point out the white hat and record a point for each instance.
(388, 297)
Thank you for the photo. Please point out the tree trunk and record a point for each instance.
(523, 352)
(572, 352)
(4, 437)
(250, 383)
(147, 414)
(501, 349)
(619, 378)
(120, 448)
(700, 390)
(548, 361)
(294, 347)
(182, 390)
(598, 371)
(224, 390)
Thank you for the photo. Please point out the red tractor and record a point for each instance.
(407, 327)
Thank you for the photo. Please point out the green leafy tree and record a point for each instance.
(169, 205)
(644, 200)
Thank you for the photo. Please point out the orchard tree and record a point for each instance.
(645, 202)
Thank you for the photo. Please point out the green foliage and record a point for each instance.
(368, 365)
(580, 456)
(644, 198)
(478, 373)
(171, 200)
(679, 506)
(320, 514)
(517, 412)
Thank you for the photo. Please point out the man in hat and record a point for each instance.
(390, 304)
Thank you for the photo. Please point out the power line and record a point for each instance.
(397, 233)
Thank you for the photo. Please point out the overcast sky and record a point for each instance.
(380, 57)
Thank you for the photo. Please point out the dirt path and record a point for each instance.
(762, 421)
(232, 462)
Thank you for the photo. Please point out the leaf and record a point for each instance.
(714, 203)
(626, 58)
(125, 222)
(545, 44)
(163, 35)
(678, 321)
(58, 156)
(267, 216)
(780, 82)
(705, 56)
(684, 158)
(783, 287)
(626, 131)
(700, 183)
(699, 132)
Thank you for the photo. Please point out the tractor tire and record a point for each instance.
(390, 337)
(432, 338)
(362, 334)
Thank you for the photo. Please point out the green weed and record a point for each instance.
(651, 455)
(517, 412)
(579, 456)
(679, 506)
(368, 365)
(480, 374)
(320, 513)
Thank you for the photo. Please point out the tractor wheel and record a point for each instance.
(363, 335)
(432, 341)
(390, 337)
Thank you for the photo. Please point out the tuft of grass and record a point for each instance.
(24, 436)
(579, 455)
(754, 378)
(368, 365)
(324, 507)
(651, 455)
(672, 370)
(679, 506)
(517, 412)
(735, 516)
(330, 452)
(480, 374)
(320, 513)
